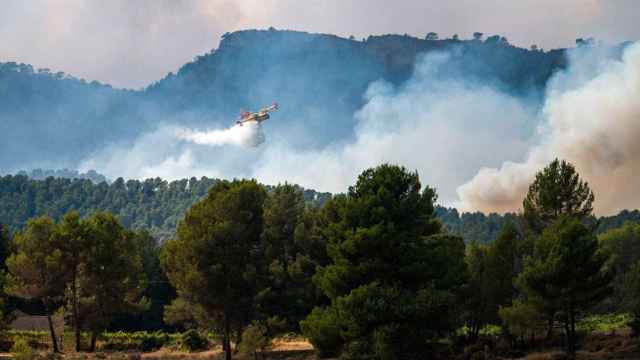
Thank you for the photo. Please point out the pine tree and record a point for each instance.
(390, 279)
(567, 273)
(213, 260)
(35, 268)
(556, 191)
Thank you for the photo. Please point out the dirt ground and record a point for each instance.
(613, 346)
(281, 349)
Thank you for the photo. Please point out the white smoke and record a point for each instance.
(445, 129)
(476, 145)
(248, 134)
(592, 119)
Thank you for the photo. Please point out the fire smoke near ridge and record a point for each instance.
(476, 144)
(591, 119)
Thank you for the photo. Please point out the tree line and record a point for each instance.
(371, 274)
(157, 205)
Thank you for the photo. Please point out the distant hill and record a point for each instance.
(52, 120)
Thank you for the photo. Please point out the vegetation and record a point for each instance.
(372, 274)
(154, 205)
(254, 341)
(192, 340)
(393, 278)
(35, 269)
(157, 206)
(21, 350)
(556, 191)
(214, 260)
(566, 274)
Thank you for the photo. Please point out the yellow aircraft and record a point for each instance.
(260, 116)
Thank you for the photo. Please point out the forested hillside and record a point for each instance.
(153, 204)
(53, 120)
(158, 205)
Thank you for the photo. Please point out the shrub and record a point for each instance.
(521, 319)
(192, 340)
(254, 341)
(140, 340)
(323, 332)
(153, 343)
(21, 350)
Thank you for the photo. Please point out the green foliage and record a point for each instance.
(254, 341)
(521, 319)
(607, 223)
(5, 245)
(631, 296)
(36, 268)
(557, 190)
(155, 205)
(96, 259)
(140, 340)
(291, 255)
(393, 283)
(474, 226)
(193, 340)
(492, 273)
(322, 327)
(605, 323)
(212, 262)
(112, 279)
(158, 292)
(21, 350)
(622, 245)
(566, 273)
(478, 307)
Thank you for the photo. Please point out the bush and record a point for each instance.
(192, 340)
(254, 341)
(521, 320)
(140, 341)
(323, 332)
(21, 350)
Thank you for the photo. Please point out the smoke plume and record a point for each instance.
(478, 146)
(591, 119)
(446, 128)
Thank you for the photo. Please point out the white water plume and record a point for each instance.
(248, 134)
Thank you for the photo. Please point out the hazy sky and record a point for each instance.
(133, 43)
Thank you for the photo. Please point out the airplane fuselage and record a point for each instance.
(258, 117)
(254, 118)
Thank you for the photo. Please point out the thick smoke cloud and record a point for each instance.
(133, 43)
(592, 119)
(478, 146)
(444, 128)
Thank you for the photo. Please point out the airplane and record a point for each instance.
(260, 116)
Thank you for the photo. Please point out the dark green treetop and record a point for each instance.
(557, 190)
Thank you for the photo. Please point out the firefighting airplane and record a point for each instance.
(260, 116)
